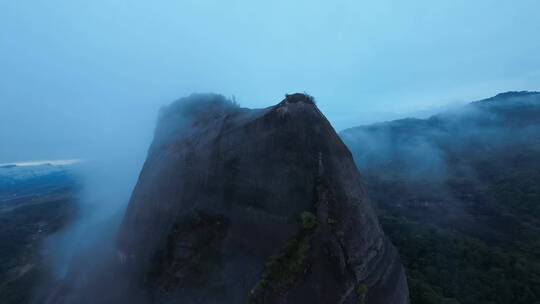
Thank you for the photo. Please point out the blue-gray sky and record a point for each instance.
(79, 78)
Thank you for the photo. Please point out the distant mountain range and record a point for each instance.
(22, 181)
(459, 194)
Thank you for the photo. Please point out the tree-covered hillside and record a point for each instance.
(459, 195)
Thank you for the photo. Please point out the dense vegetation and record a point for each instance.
(282, 270)
(459, 195)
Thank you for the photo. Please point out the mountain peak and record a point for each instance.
(510, 94)
(515, 94)
(266, 204)
(298, 97)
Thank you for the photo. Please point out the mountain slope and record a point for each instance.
(459, 194)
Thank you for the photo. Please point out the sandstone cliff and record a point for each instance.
(263, 206)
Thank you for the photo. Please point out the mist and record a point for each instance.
(427, 148)
(86, 80)
(443, 169)
(78, 76)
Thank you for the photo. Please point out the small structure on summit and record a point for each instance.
(299, 97)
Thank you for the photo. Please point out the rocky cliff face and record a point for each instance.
(251, 206)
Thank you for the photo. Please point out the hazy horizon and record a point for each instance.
(82, 80)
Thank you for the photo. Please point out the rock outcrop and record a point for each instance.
(262, 206)
(249, 206)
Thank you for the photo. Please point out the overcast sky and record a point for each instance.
(81, 78)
